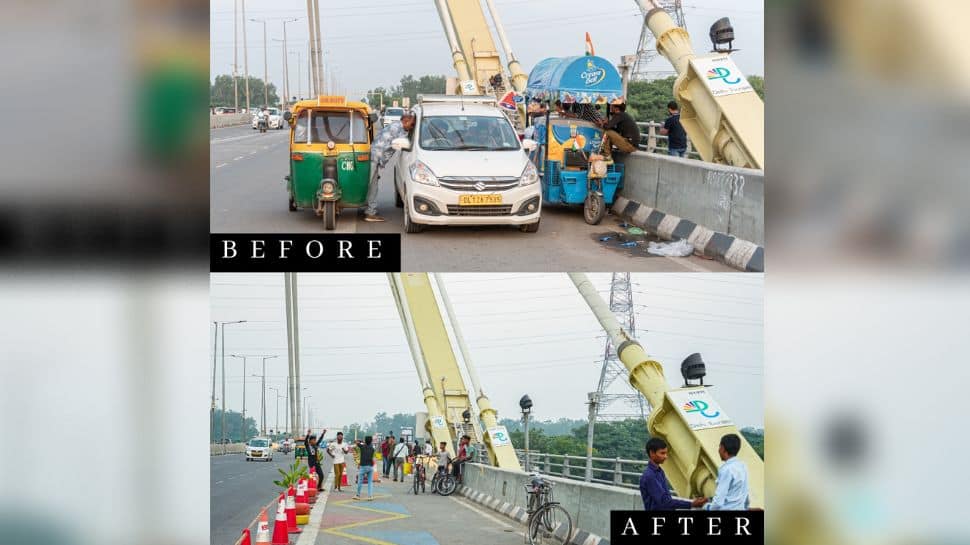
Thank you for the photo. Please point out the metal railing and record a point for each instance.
(652, 141)
(611, 471)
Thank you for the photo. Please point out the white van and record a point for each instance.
(464, 165)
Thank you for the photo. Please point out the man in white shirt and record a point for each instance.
(400, 453)
(337, 450)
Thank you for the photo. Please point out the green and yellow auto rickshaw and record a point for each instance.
(329, 155)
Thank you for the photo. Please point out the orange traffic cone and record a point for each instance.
(280, 535)
(312, 481)
(291, 526)
(262, 529)
(244, 540)
(377, 476)
(343, 480)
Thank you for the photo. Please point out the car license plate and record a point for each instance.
(257, 454)
(479, 200)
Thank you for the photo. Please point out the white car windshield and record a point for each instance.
(259, 443)
(467, 132)
(273, 111)
(394, 112)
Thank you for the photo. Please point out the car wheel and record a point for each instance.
(529, 227)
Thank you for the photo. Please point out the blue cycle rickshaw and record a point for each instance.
(566, 143)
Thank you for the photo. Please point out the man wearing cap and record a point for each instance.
(621, 130)
(380, 154)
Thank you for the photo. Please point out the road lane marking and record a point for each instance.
(484, 514)
(309, 535)
(240, 157)
(221, 165)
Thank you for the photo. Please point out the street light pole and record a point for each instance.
(245, 55)
(299, 73)
(244, 438)
(235, 54)
(264, 391)
(286, 57)
(224, 324)
(278, 396)
(265, 65)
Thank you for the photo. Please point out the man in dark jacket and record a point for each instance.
(621, 131)
(654, 486)
(674, 131)
(312, 453)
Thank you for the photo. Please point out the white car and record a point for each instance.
(391, 114)
(275, 119)
(464, 165)
(259, 448)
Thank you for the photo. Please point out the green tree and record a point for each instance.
(409, 87)
(647, 100)
(758, 83)
(234, 427)
(221, 92)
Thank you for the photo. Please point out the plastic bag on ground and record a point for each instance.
(680, 248)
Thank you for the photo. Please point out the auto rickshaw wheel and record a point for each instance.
(292, 205)
(594, 209)
(329, 215)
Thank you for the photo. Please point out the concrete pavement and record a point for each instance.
(247, 194)
(397, 517)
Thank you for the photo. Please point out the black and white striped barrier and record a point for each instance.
(732, 251)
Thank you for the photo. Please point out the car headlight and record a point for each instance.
(529, 175)
(421, 174)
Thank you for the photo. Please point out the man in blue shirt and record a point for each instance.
(732, 478)
(654, 487)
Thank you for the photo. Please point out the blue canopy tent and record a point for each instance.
(585, 79)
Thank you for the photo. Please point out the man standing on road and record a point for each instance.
(337, 450)
(380, 154)
(621, 131)
(444, 458)
(654, 486)
(732, 478)
(428, 448)
(313, 452)
(674, 131)
(387, 448)
(399, 454)
(466, 451)
(366, 468)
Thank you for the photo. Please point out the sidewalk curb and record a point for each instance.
(518, 514)
(732, 251)
(310, 531)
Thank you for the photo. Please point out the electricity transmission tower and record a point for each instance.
(647, 51)
(612, 400)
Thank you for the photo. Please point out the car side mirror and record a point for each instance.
(529, 144)
(401, 144)
(287, 115)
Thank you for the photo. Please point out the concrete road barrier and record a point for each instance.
(721, 198)
(589, 504)
(231, 448)
(228, 120)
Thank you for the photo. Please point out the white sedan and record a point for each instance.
(275, 119)
(259, 448)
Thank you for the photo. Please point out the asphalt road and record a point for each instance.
(247, 194)
(238, 490)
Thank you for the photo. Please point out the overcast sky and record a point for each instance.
(528, 333)
(374, 43)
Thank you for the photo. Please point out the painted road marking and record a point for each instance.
(503, 524)
(221, 165)
(309, 534)
(238, 158)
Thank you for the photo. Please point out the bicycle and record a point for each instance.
(548, 521)
(444, 484)
(420, 473)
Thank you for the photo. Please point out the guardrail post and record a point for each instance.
(548, 464)
(617, 469)
(565, 467)
(651, 137)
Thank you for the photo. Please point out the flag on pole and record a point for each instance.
(508, 101)
(589, 46)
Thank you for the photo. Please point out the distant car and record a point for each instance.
(259, 448)
(391, 115)
(224, 110)
(275, 119)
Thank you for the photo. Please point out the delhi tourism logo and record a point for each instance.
(700, 407)
(593, 74)
(722, 73)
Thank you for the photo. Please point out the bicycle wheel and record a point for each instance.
(415, 485)
(447, 484)
(551, 524)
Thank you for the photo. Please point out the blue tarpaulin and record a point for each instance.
(586, 79)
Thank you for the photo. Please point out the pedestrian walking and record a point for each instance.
(366, 468)
(399, 454)
(337, 451)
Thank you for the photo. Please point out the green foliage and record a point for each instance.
(234, 427)
(756, 437)
(408, 87)
(647, 100)
(221, 92)
(289, 478)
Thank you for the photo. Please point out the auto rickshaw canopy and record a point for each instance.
(584, 79)
(330, 102)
